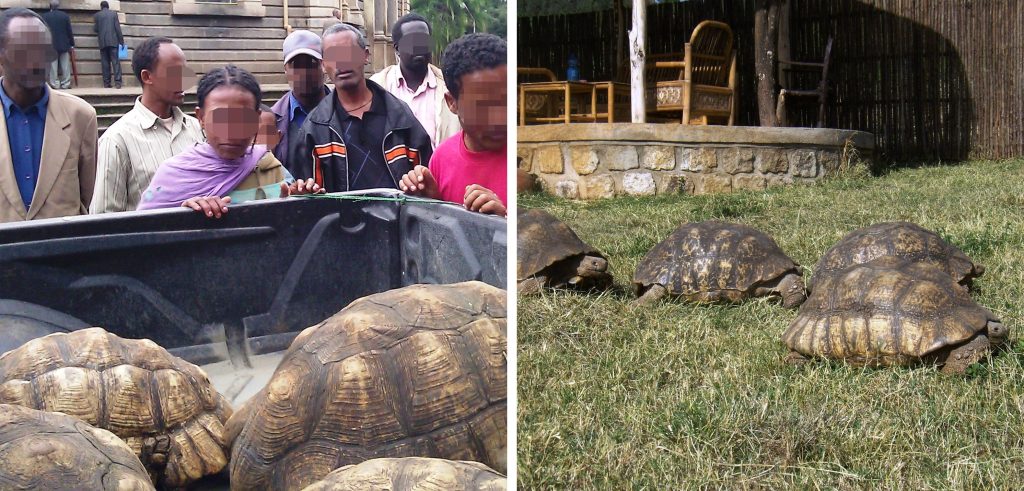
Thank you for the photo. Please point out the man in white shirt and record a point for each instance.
(415, 81)
(154, 130)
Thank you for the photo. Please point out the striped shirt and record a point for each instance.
(131, 150)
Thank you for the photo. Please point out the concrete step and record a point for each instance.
(112, 104)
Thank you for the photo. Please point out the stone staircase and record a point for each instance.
(111, 104)
(253, 43)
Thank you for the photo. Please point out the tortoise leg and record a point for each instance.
(532, 285)
(967, 354)
(653, 294)
(795, 358)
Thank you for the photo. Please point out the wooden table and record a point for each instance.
(567, 90)
(613, 91)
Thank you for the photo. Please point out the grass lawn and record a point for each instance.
(683, 396)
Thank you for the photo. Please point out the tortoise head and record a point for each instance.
(997, 332)
(791, 287)
(590, 266)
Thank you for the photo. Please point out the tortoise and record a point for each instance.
(891, 311)
(163, 407)
(715, 261)
(552, 255)
(417, 371)
(54, 451)
(902, 239)
(412, 473)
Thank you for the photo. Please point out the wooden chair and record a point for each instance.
(532, 105)
(820, 93)
(700, 83)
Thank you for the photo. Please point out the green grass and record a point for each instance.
(683, 396)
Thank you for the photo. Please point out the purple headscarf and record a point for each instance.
(198, 171)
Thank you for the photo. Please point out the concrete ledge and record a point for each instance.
(240, 9)
(677, 133)
(589, 161)
(93, 5)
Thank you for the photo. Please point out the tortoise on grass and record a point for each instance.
(715, 261)
(163, 407)
(55, 452)
(412, 473)
(890, 311)
(417, 371)
(900, 239)
(552, 255)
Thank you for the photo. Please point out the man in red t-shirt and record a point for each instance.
(470, 167)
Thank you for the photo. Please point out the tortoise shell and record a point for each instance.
(900, 239)
(885, 312)
(163, 407)
(543, 241)
(713, 261)
(54, 451)
(417, 371)
(412, 473)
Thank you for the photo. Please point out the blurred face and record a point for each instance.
(481, 108)
(230, 120)
(27, 53)
(414, 48)
(170, 76)
(268, 134)
(344, 60)
(305, 75)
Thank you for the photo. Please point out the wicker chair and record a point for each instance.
(700, 82)
(536, 105)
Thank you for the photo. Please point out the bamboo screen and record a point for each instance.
(932, 79)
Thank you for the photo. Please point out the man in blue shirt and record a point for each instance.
(302, 63)
(47, 138)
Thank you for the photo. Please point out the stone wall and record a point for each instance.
(589, 161)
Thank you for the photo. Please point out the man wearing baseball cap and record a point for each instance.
(303, 56)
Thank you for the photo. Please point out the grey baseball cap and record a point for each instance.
(302, 43)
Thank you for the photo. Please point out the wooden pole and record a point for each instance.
(766, 39)
(637, 56)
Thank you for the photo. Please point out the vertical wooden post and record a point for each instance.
(637, 57)
(766, 40)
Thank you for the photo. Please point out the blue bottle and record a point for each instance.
(573, 73)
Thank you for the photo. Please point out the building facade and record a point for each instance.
(213, 33)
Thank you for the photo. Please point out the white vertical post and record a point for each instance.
(637, 55)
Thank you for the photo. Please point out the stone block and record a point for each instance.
(548, 160)
(802, 163)
(714, 183)
(736, 160)
(772, 161)
(705, 159)
(597, 186)
(638, 184)
(658, 157)
(829, 162)
(524, 157)
(619, 157)
(778, 180)
(584, 159)
(567, 189)
(675, 184)
(750, 182)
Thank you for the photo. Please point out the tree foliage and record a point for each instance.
(451, 19)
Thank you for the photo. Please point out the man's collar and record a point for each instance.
(147, 119)
(429, 80)
(8, 103)
(377, 106)
(294, 103)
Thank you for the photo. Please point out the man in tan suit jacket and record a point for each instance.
(52, 175)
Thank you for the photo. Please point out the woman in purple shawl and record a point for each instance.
(229, 167)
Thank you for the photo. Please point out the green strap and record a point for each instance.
(355, 197)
